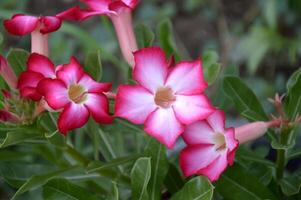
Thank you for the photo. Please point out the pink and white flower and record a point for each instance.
(165, 98)
(39, 27)
(38, 68)
(120, 13)
(8, 73)
(211, 147)
(77, 95)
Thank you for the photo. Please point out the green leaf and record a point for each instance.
(270, 13)
(17, 58)
(115, 192)
(211, 73)
(237, 184)
(56, 139)
(198, 188)
(18, 136)
(39, 180)
(159, 165)
(292, 103)
(166, 38)
(140, 176)
(173, 181)
(145, 36)
(243, 97)
(98, 166)
(93, 65)
(290, 185)
(63, 189)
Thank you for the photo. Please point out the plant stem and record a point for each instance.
(281, 153)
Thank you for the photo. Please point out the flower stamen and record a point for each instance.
(164, 97)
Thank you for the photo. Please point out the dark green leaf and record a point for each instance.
(93, 65)
(166, 38)
(18, 136)
(17, 58)
(237, 184)
(140, 176)
(243, 97)
(145, 36)
(290, 185)
(159, 165)
(198, 188)
(173, 181)
(63, 189)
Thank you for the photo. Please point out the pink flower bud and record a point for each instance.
(39, 43)
(7, 73)
(254, 130)
(6, 116)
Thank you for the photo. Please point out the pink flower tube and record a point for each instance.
(120, 13)
(7, 73)
(39, 27)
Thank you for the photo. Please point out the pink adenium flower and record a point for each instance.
(39, 67)
(39, 27)
(7, 73)
(77, 95)
(119, 12)
(211, 147)
(165, 98)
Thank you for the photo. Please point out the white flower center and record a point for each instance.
(164, 97)
(77, 93)
(219, 141)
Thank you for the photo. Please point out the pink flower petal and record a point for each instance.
(195, 157)
(198, 133)
(31, 93)
(231, 142)
(41, 64)
(119, 6)
(217, 121)
(134, 103)
(27, 84)
(70, 73)
(70, 14)
(163, 125)
(131, 3)
(73, 116)
(55, 93)
(187, 78)
(50, 24)
(189, 109)
(98, 106)
(216, 168)
(21, 24)
(150, 68)
(98, 5)
(93, 86)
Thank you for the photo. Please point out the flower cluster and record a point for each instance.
(168, 98)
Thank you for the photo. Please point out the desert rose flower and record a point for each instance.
(211, 146)
(7, 73)
(38, 68)
(39, 27)
(120, 13)
(165, 98)
(77, 95)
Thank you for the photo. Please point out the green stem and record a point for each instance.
(281, 153)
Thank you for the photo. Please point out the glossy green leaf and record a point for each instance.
(237, 184)
(17, 58)
(166, 38)
(243, 97)
(145, 36)
(18, 136)
(39, 180)
(290, 185)
(115, 192)
(140, 176)
(93, 65)
(198, 188)
(56, 139)
(63, 189)
(159, 165)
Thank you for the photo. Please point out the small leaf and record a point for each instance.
(115, 191)
(290, 185)
(18, 136)
(140, 176)
(145, 36)
(211, 73)
(198, 188)
(166, 38)
(159, 165)
(237, 184)
(173, 181)
(93, 65)
(17, 58)
(39, 180)
(243, 97)
(63, 189)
